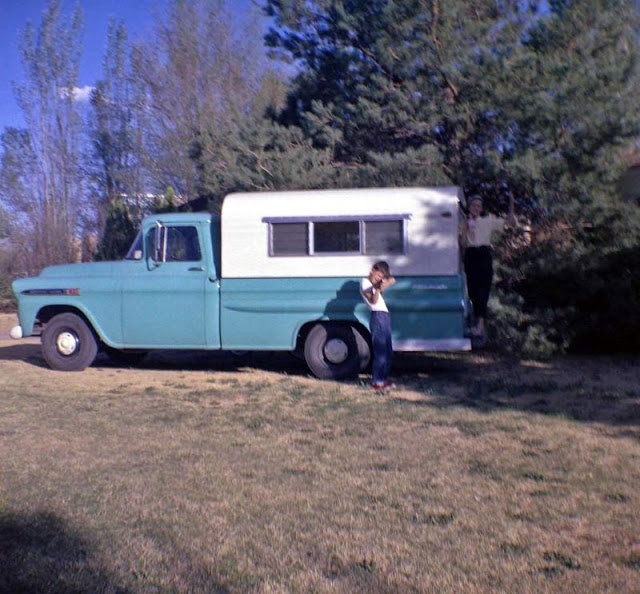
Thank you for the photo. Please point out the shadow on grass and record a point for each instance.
(23, 351)
(583, 388)
(280, 361)
(40, 554)
(274, 361)
(587, 389)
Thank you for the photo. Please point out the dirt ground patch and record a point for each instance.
(7, 321)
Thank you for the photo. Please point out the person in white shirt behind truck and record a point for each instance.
(371, 288)
(478, 259)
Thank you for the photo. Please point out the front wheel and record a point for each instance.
(68, 344)
(335, 351)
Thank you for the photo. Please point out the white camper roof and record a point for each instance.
(431, 231)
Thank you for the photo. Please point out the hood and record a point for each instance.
(84, 269)
(60, 275)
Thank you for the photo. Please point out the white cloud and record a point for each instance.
(80, 94)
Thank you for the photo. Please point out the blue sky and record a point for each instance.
(138, 16)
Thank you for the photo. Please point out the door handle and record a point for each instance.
(196, 269)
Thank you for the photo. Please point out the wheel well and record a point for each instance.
(306, 328)
(50, 311)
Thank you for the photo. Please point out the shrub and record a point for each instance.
(7, 299)
(572, 287)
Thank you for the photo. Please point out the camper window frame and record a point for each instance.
(310, 222)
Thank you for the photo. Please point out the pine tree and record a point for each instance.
(357, 92)
(527, 99)
(120, 228)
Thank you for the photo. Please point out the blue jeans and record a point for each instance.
(380, 326)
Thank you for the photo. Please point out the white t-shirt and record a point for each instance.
(478, 231)
(365, 284)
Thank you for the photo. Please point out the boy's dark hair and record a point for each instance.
(382, 266)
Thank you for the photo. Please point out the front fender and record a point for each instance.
(99, 304)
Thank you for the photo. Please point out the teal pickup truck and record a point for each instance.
(274, 271)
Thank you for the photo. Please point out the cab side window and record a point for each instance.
(182, 243)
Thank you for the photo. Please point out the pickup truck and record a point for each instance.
(273, 271)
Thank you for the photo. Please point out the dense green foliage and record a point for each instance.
(572, 289)
(6, 296)
(7, 299)
(516, 99)
(120, 229)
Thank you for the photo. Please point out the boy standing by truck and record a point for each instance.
(371, 288)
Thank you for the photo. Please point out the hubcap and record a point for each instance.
(67, 343)
(336, 351)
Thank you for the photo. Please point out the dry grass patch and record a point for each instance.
(202, 474)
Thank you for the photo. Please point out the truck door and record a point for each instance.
(171, 303)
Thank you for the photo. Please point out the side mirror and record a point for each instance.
(160, 244)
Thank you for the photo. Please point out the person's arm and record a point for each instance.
(511, 217)
(385, 283)
(462, 232)
(370, 293)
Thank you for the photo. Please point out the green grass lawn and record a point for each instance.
(197, 473)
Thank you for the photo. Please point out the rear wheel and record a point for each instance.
(364, 351)
(335, 351)
(68, 344)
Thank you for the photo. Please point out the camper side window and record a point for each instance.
(338, 237)
(384, 237)
(289, 239)
(379, 235)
